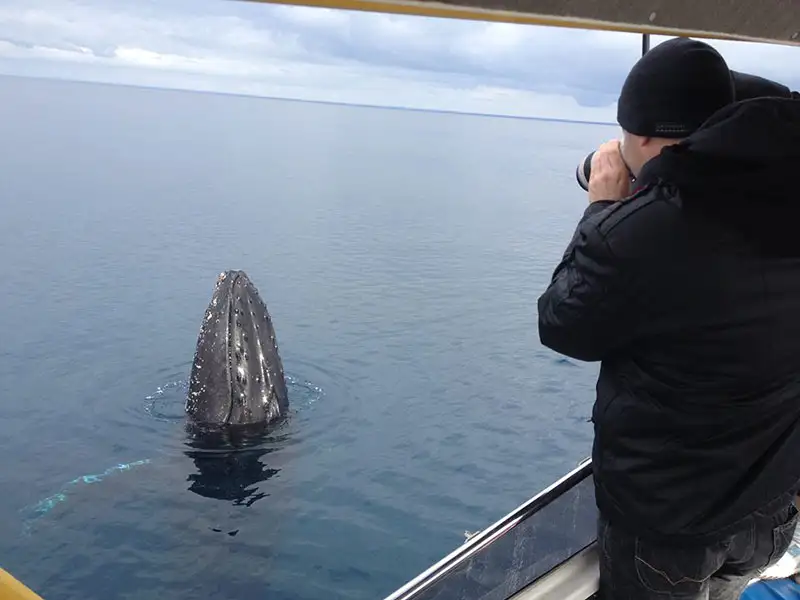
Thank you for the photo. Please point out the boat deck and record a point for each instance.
(576, 579)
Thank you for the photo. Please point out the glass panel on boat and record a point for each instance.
(547, 535)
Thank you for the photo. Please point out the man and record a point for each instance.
(688, 292)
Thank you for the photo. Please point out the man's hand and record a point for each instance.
(610, 178)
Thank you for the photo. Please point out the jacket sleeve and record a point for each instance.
(584, 312)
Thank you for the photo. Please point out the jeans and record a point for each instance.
(633, 568)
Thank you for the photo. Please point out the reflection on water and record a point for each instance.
(230, 461)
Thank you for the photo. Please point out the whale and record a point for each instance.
(237, 376)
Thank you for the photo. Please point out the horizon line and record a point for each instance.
(304, 100)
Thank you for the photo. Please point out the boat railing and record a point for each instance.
(518, 549)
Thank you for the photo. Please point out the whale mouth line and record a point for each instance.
(232, 284)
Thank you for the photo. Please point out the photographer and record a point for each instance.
(687, 289)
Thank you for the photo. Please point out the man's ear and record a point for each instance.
(644, 142)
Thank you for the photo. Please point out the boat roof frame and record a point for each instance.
(765, 21)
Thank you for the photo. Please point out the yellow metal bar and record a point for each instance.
(771, 21)
(11, 589)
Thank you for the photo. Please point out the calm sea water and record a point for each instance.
(401, 255)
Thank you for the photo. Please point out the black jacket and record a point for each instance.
(689, 293)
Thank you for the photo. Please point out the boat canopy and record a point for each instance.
(770, 21)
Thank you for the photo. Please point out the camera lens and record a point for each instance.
(584, 171)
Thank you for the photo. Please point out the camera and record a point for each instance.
(584, 171)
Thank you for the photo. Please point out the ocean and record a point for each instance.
(400, 253)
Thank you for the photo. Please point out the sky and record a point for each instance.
(340, 56)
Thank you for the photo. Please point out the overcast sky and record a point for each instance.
(322, 54)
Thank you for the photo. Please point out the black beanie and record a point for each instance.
(673, 89)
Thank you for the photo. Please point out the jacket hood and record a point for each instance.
(739, 167)
(746, 86)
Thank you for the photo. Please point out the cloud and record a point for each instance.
(312, 53)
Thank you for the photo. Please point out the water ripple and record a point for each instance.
(167, 402)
